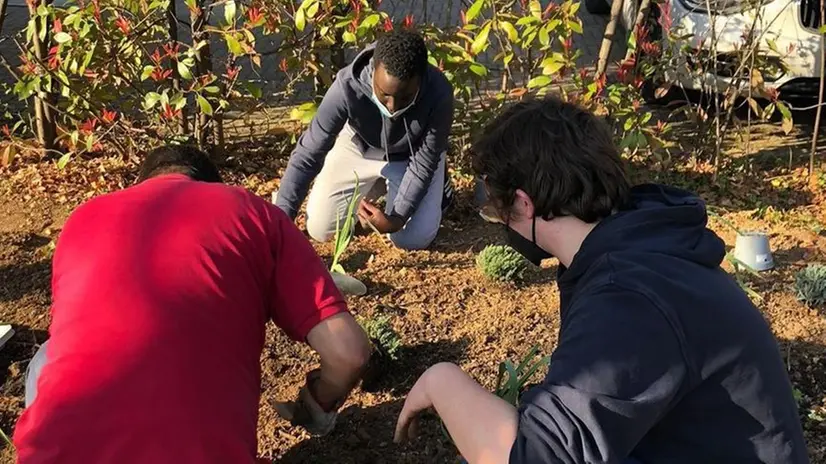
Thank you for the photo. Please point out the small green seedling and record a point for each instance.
(344, 233)
(501, 262)
(381, 333)
(6, 439)
(509, 387)
(810, 284)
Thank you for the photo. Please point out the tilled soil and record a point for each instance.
(442, 306)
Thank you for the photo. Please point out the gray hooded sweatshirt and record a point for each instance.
(420, 134)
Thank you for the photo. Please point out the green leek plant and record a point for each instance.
(344, 233)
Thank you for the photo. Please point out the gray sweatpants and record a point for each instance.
(335, 185)
(33, 373)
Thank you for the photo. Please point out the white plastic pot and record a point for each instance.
(752, 249)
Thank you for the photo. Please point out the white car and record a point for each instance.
(791, 25)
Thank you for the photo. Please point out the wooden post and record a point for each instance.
(44, 102)
(608, 38)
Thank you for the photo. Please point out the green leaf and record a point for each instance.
(773, 46)
(371, 21)
(147, 71)
(312, 10)
(481, 41)
(536, 9)
(539, 81)
(552, 67)
(90, 142)
(212, 89)
(474, 10)
(230, 9)
(575, 26)
(822, 29)
(479, 70)
(151, 99)
(513, 35)
(234, 45)
(527, 20)
(300, 20)
(64, 160)
(183, 70)
(629, 123)
(348, 37)
(788, 122)
(62, 37)
(204, 104)
(508, 58)
(254, 90)
(544, 37)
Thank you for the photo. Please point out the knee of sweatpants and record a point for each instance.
(412, 239)
(319, 229)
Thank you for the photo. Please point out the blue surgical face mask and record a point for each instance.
(383, 109)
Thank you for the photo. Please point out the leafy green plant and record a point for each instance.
(344, 233)
(382, 334)
(810, 284)
(501, 262)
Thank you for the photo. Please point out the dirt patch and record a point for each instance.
(444, 309)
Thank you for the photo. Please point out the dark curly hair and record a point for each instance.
(403, 54)
(558, 153)
(179, 159)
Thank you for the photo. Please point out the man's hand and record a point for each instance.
(384, 224)
(318, 418)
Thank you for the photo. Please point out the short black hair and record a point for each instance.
(558, 153)
(402, 52)
(179, 159)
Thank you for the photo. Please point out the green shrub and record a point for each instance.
(501, 262)
(382, 334)
(810, 284)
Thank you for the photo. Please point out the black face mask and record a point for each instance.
(527, 248)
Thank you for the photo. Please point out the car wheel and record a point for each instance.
(598, 7)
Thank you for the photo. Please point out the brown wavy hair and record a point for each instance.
(560, 154)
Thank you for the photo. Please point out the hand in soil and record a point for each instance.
(382, 223)
(305, 412)
(417, 401)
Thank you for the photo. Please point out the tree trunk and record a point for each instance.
(203, 65)
(3, 5)
(820, 94)
(172, 17)
(44, 101)
(608, 38)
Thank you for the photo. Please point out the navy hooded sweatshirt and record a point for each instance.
(420, 134)
(661, 357)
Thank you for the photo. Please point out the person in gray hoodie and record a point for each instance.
(386, 117)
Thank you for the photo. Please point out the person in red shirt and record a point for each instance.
(161, 294)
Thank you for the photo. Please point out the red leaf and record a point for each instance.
(388, 24)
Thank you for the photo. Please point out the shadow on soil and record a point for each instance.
(20, 279)
(15, 356)
(386, 375)
(365, 435)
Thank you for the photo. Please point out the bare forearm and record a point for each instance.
(482, 425)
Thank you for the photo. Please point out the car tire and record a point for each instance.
(598, 7)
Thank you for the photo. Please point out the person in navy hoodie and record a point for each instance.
(385, 121)
(661, 357)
